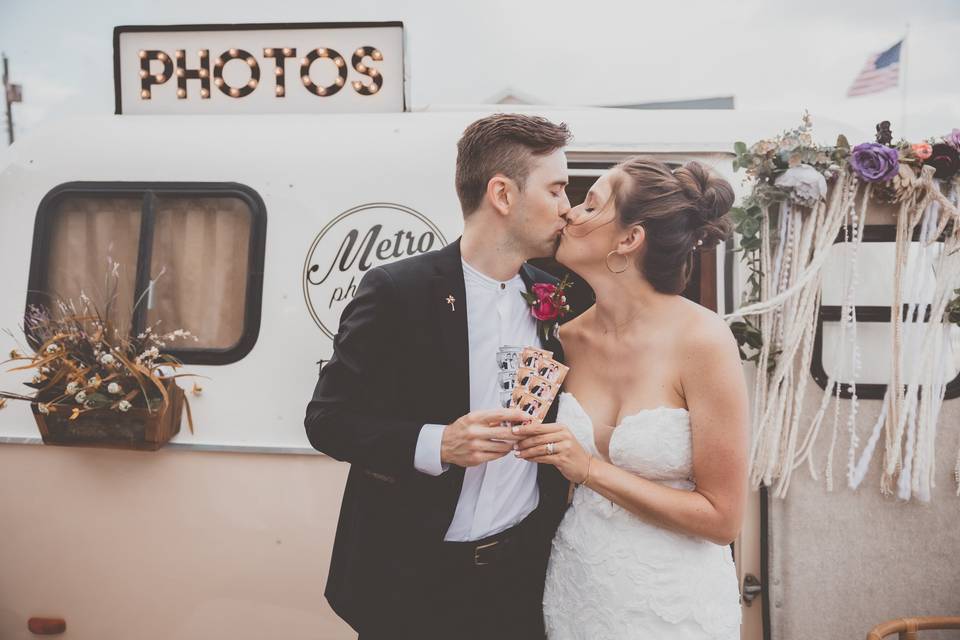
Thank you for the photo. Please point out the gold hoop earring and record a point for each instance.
(626, 262)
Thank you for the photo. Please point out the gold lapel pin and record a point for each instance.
(450, 301)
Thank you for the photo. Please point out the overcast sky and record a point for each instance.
(769, 54)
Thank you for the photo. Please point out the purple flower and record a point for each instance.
(953, 139)
(875, 162)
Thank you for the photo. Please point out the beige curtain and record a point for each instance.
(202, 247)
(84, 233)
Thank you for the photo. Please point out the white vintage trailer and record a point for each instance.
(265, 223)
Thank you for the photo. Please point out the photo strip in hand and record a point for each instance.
(529, 380)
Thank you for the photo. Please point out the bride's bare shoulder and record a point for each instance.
(702, 329)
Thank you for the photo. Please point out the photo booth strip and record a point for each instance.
(533, 357)
(537, 382)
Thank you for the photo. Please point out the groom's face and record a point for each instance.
(539, 216)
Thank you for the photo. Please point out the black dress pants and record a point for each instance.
(473, 591)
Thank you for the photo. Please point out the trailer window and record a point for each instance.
(191, 253)
(873, 303)
(83, 231)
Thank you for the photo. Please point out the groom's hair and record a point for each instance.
(504, 143)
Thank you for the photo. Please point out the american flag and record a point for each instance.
(882, 71)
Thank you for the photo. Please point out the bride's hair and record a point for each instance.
(681, 210)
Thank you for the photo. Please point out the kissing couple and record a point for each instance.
(456, 520)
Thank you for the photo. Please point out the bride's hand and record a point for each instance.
(568, 455)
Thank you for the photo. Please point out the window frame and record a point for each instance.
(148, 192)
(868, 313)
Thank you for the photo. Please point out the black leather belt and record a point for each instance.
(505, 546)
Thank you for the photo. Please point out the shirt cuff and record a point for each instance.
(426, 458)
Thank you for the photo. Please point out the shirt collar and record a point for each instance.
(474, 276)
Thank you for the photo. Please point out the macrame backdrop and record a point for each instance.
(787, 313)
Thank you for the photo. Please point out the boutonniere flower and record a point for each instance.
(548, 304)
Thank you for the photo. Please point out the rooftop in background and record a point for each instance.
(510, 95)
(719, 102)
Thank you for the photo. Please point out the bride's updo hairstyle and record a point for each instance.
(681, 211)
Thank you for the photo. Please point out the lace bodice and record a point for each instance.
(652, 443)
(614, 576)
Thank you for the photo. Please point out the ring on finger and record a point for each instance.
(550, 448)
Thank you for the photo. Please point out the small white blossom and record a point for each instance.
(150, 353)
(807, 185)
(107, 359)
(43, 408)
(53, 348)
(123, 405)
(80, 397)
(71, 388)
(113, 388)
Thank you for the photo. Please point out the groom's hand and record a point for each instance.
(471, 439)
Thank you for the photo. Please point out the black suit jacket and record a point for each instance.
(400, 361)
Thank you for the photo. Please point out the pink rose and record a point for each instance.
(545, 310)
(922, 150)
(544, 290)
(546, 307)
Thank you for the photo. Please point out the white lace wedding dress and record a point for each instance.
(612, 575)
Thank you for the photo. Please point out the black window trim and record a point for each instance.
(868, 313)
(148, 191)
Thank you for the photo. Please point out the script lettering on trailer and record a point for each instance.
(353, 243)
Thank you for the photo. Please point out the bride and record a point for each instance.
(653, 423)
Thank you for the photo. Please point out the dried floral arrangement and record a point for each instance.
(83, 363)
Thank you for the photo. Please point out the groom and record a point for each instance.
(443, 532)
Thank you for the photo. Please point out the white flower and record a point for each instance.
(807, 185)
(107, 359)
(123, 405)
(80, 397)
(150, 353)
(53, 348)
(113, 388)
(43, 408)
(71, 388)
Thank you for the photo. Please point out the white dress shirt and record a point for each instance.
(496, 495)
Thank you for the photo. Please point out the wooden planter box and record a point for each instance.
(134, 429)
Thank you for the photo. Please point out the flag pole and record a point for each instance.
(903, 91)
(7, 96)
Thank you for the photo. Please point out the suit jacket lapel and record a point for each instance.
(553, 486)
(448, 305)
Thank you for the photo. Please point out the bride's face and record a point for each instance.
(592, 229)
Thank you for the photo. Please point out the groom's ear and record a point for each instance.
(500, 193)
(633, 239)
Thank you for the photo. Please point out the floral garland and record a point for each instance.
(787, 225)
(792, 167)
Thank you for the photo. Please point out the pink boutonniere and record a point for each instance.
(548, 304)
